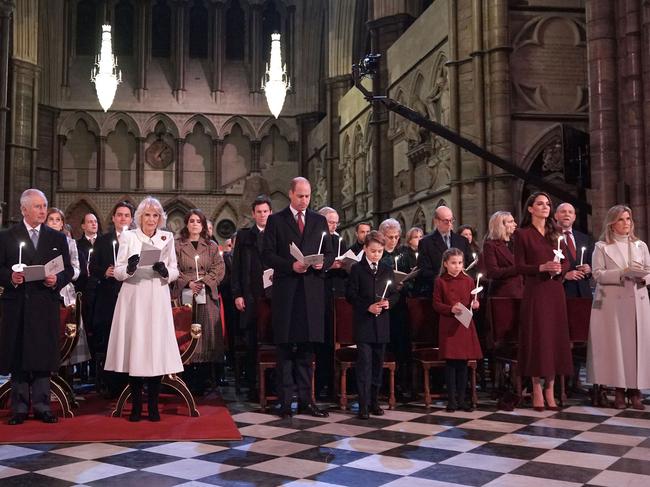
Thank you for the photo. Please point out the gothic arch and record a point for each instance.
(111, 122)
(69, 123)
(554, 131)
(207, 124)
(150, 125)
(419, 219)
(224, 210)
(246, 127)
(178, 203)
(285, 130)
(358, 142)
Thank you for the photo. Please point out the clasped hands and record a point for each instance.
(378, 307)
(302, 268)
(134, 260)
(580, 272)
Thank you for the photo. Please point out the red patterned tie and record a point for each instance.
(570, 244)
(301, 223)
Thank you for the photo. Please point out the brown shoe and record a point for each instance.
(634, 395)
(619, 398)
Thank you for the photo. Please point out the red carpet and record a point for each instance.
(92, 422)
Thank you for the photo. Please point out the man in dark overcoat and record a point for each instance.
(433, 245)
(576, 281)
(298, 294)
(29, 328)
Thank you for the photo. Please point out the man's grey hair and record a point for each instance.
(150, 202)
(28, 194)
(326, 210)
(390, 224)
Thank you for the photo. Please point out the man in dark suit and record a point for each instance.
(362, 229)
(298, 294)
(102, 264)
(432, 246)
(246, 281)
(29, 327)
(580, 247)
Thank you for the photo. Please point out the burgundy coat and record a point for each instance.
(455, 341)
(544, 348)
(498, 262)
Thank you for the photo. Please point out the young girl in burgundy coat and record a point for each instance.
(457, 344)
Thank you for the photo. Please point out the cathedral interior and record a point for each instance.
(558, 88)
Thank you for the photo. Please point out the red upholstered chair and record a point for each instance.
(188, 333)
(423, 326)
(503, 339)
(579, 314)
(345, 353)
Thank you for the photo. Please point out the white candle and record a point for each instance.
(416, 257)
(385, 289)
(478, 279)
(114, 255)
(582, 255)
(559, 240)
(20, 253)
(474, 255)
(320, 245)
(339, 252)
(90, 253)
(196, 263)
(125, 228)
(396, 257)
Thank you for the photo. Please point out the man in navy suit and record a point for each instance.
(432, 246)
(576, 281)
(298, 294)
(29, 327)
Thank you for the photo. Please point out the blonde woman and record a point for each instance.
(619, 332)
(498, 258)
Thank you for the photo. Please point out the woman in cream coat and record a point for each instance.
(143, 341)
(619, 334)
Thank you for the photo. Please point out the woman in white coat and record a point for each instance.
(619, 333)
(142, 342)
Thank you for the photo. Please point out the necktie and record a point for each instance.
(570, 244)
(373, 267)
(447, 241)
(34, 237)
(301, 222)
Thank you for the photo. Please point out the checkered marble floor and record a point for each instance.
(410, 446)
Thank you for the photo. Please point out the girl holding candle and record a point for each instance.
(371, 295)
(544, 347)
(201, 268)
(619, 332)
(457, 344)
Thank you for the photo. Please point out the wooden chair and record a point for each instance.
(69, 319)
(503, 339)
(188, 333)
(423, 326)
(266, 352)
(579, 314)
(345, 353)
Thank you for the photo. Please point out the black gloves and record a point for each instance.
(133, 264)
(160, 268)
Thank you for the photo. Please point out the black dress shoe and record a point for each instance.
(312, 410)
(285, 413)
(363, 414)
(18, 418)
(46, 417)
(375, 410)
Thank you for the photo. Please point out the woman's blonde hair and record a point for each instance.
(497, 226)
(412, 231)
(613, 214)
(150, 202)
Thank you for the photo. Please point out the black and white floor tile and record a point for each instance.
(410, 446)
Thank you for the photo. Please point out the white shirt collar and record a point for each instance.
(88, 237)
(295, 212)
(30, 228)
(370, 263)
(259, 228)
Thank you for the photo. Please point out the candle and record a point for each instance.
(125, 228)
(90, 253)
(196, 263)
(396, 257)
(582, 255)
(114, 255)
(416, 257)
(385, 289)
(478, 279)
(339, 252)
(474, 255)
(559, 240)
(320, 245)
(20, 253)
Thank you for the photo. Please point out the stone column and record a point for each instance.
(101, 162)
(61, 141)
(178, 175)
(290, 43)
(6, 11)
(143, 46)
(645, 36)
(455, 173)
(139, 163)
(256, 145)
(178, 46)
(256, 60)
(603, 105)
(306, 123)
(218, 47)
(217, 152)
(335, 89)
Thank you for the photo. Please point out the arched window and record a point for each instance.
(235, 32)
(198, 30)
(123, 28)
(161, 29)
(87, 29)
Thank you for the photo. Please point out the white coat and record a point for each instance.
(142, 340)
(619, 330)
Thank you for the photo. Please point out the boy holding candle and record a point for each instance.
(371, 294)
(457, 343)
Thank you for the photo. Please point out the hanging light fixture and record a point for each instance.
(275, 82)
(105, 74)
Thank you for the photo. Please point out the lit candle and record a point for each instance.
(396, 257)
(114, 255)
(416, 257)
(582, 255)
(474, 255)
(90, 253)
(339, 252)
(20, 253)
(196, 263)
(385, 289)
(320, 245)
(478, 279)
(559, 240)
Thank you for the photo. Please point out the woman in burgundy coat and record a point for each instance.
(457, 343)
(544, 348)
(498, 259)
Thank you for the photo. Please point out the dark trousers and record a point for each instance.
(369, 368)
(248, 333)
(456, 382)
(21, 383)
(294, 368)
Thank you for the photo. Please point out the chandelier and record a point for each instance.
(105, 74)
(275, 82)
